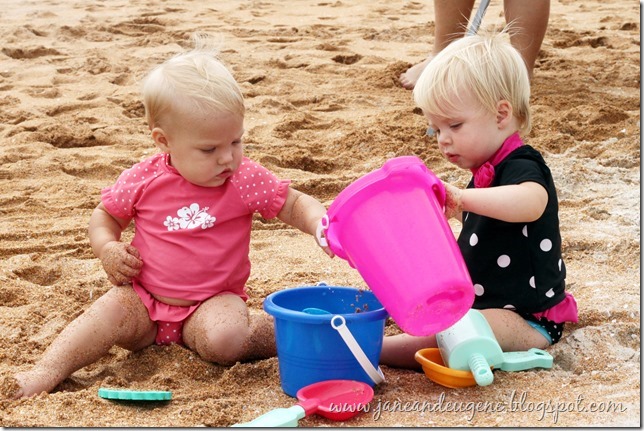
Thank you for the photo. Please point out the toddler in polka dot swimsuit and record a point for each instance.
(182, 278)
(475, 95)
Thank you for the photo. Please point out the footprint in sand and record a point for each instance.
(40, 275)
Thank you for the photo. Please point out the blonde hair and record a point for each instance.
(484, 65)
(196, 78)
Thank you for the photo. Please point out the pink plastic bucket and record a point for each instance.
(390, 226)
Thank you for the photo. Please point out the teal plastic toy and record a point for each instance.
(131, 395)
(276, 418)
(435, 370)
(520, 361)
(470, 344)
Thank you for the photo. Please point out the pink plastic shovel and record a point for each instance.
(337, 400)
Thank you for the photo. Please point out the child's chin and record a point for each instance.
(212, 183)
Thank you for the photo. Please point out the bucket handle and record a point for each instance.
(375, 374)
(323, 225)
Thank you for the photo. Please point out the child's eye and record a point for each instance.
(208, 150)
(455, 126)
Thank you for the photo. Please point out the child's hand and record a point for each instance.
(121, 262)
(453, 204)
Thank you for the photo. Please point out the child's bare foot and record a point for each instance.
(29, 383)
(409, 78)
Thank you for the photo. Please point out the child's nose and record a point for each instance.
(225, 156)
(443, 139)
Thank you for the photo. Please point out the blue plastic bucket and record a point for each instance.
(309, 349)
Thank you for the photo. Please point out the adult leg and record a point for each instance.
(451, 18)
(223, 331)
(529, 19)
(116, 318)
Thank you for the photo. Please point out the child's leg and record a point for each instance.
(261, 343)
(222, 331)
(399, 350)
(512, 332)
(116, 318)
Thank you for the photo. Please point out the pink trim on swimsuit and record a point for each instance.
(565, 311)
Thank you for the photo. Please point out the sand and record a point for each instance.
(324, 108)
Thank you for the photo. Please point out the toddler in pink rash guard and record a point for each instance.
(182, 279)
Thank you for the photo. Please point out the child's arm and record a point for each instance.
(303, 212)
(121, 261)
(518, 203)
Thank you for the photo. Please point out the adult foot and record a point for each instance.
(409, 78)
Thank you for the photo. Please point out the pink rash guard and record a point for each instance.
(194, 241)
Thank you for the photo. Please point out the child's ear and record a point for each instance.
(160, 139)
(504, 113)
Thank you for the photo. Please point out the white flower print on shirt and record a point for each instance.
(190, 218)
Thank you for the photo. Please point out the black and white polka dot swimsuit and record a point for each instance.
(517, 266)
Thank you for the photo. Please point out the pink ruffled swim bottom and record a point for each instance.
(169, 318)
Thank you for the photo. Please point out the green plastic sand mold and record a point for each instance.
(130, 395)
